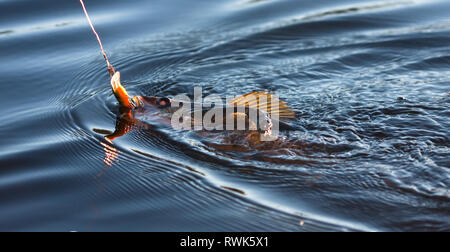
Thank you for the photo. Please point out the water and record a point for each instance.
(368, 79)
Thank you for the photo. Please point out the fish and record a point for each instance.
(266, 109)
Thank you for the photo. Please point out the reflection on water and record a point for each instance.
(368, 79)
(111, 154)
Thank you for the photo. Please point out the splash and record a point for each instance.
(110, 67)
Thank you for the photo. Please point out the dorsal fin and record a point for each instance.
(266, 102)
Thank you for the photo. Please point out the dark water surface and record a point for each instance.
(368, 79)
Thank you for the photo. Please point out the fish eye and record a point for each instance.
(164, 103)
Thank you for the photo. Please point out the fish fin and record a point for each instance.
(120, 92)
(266, 102)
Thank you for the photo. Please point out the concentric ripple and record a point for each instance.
(369, 81)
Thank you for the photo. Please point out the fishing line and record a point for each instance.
(110, 67)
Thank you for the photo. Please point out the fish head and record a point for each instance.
(155, 102)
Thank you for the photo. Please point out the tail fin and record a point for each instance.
(120, 92)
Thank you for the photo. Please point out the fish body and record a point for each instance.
(254, 112)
